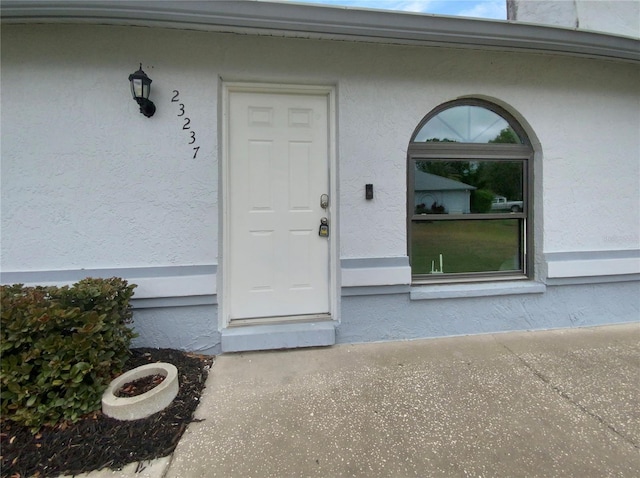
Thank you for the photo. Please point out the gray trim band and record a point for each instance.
(308, 21)
(375, 290)
(175, 274)
(375, 275)
(162, 302)
(592, 267)
(74, 275)
(592, 255)
(365, 262)
(593, 280)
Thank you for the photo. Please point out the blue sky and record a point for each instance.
(495, 9)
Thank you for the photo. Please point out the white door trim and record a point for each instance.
(334, 260)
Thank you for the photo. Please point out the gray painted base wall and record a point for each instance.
(396, 317)
(191, 328)
(374, 318)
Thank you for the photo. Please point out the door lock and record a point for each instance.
(324, 201)
(324, 227)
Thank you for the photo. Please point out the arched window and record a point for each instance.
(470, 168)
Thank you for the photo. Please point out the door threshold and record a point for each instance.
(272, 336)
(280, 320)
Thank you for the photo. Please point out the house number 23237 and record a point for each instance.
(186, 123)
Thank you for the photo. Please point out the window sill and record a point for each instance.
(480, 289)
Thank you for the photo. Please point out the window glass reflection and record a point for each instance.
(449, 247)
(467, 124)
(464, 187)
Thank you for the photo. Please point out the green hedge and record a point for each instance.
(481, 200)
(61, 346)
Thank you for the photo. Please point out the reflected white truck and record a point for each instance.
(500, 203)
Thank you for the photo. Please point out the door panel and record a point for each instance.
(278, 168)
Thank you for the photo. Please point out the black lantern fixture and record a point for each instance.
(140, 88)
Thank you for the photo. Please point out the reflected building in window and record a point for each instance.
(439, 195)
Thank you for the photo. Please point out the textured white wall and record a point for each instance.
(620, 17)
(88, 182)
(548, 12)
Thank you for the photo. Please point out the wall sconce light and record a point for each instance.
(140, 88)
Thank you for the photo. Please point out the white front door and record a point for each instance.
(277, 171)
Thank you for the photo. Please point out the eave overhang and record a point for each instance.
(330, 23)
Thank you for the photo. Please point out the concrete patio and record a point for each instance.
(553, 403)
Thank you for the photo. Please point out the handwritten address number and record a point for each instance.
(186, 123)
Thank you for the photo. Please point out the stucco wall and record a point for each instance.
(89, 183)
(619, 17)
(86, 180)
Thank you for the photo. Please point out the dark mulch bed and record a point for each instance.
(98, 441)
